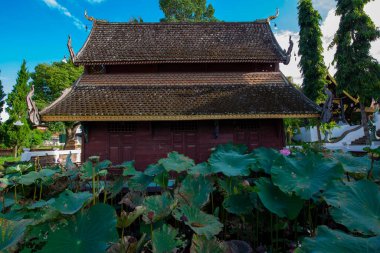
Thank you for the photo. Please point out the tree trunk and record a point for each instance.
(70, 137)
(365, 124)
(15, 151)
(319, 132)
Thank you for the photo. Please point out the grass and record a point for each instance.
(8, 159)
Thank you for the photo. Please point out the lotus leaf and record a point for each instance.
(334, 241)
(132, 199)
(162, 179)
(129, 168)
(40, 204)
(154, 170)
(126, 219)
(306, 174)
(69, 202)
(353, 164)
(87, 169)
(231, 161)
(176, 162)
(102, 165)
(90, 232)
(230, 186)
(117, 186)
(69, 163)
(200, 244)
(6, 201)
(201, 169)
(30, 178)
(4, 183)
(20, 168)
(356, 205)
(278, 202)
(195, 191)
(200, 222)
(265, 158)
(139, 182)
(165, 239)
(11, 232)
(239, 204)
(158, 207)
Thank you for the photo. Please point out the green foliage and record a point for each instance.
(176, 162)
(165, 239)
(334, 241)
(305, 175)
(158, 207)
(260, 208)
(200, 222)
(265, 158)
(312, 65)
(17, 136)
(240, 203)
(200, 244)
(278, 202)
(357, 71)
(50, 80)
(231, 160)
(11, 232)
(90, 231)
(70, 203)
(2, 97)
(356, 205)
(187, 11)
(195, 191)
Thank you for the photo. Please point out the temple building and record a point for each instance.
(152, 88)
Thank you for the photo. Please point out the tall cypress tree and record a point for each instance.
(17, 136)
(310, 49)
(357, 71)
(2, 96)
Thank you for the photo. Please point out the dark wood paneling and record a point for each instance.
(150, 141)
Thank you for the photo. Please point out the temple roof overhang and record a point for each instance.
(180, 96)
(153, 43)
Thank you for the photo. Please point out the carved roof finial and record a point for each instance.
(71, 51)
(92, 19)
(289, 51)
(270, 18)
(34, 115)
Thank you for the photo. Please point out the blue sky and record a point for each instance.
(37, 30)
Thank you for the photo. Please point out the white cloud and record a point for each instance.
(329, 27)
(55, 5)
(324, 6)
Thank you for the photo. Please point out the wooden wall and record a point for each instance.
(146, 142)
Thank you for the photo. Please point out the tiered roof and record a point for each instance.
(180, 96)
(215, 42)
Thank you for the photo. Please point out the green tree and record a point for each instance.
(2, 97)
(49, 81)
(312, 64)
(187, 11)
(17, 136)
(357, 71)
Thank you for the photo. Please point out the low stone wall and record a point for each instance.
(51, 157)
